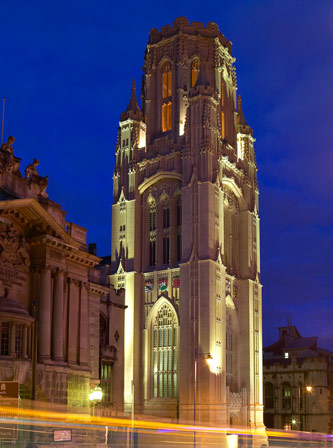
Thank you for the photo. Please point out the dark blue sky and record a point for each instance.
(66, 71)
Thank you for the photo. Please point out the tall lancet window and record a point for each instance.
(166, 232)
(166, 98)
(195, 68)
(179, 229)
(152, 233)
(229, 351)
(164, 358)
(223, 122)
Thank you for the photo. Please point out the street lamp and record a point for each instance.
(302, 420)
(95, 396)
(209, 359)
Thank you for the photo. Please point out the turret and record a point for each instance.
(245, 138)
(131, 139)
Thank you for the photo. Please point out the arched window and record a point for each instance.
(166, 98)
(269, 395)
(229, 351)
(286, 396)
(179, 229)
(231, 231)
(152, 216)
(195, 68)
(166, 232)
(166, 215)
(166, 81)
(223, 121)
(164, 359)
(152, 233)
(166, 116)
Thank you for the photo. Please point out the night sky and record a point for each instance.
(66, 71)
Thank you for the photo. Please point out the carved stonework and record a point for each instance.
(13, 252)
(8, 162)
(32, 176)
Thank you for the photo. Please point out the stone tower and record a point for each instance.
(185, 235)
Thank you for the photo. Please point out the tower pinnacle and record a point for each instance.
(240, 115)
(133, 110)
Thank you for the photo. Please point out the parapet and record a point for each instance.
(183, 25)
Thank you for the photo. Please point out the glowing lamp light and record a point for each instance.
(209, 359)
(293, 421)
(308, 388)
(211, 362)
(96, 394)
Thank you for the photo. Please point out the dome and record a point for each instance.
(12, 306)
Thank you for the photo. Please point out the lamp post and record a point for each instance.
(208, 358)
(309, 390)
(293, 421)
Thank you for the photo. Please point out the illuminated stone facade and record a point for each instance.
(185, 235)
(298, 383)
(59, 323)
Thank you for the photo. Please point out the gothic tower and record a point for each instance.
(185, 235)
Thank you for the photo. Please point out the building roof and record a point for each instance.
(290, 340)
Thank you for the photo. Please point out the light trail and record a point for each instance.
(45, 418)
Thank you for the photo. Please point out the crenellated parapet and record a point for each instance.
(183, 25)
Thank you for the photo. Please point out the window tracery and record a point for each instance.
(166, 232)
(164, 359)
(179, 229)
(152, 233)
(166, 98)
(195, 68)
(223, 119)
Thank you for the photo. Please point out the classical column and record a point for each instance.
(84, 326)
(73, 321)
(58, 317)
(24, 341)
(44, 320)
(12, 340)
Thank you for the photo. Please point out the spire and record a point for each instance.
(133, 103)
(240, 115)
(133, 110)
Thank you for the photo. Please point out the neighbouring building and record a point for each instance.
(61, 325)
(185, 235)
(298, 383)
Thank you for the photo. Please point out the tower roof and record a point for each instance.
(133, 110)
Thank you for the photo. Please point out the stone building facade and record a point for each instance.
(61, 330)
(185, 235)
(298, 383)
